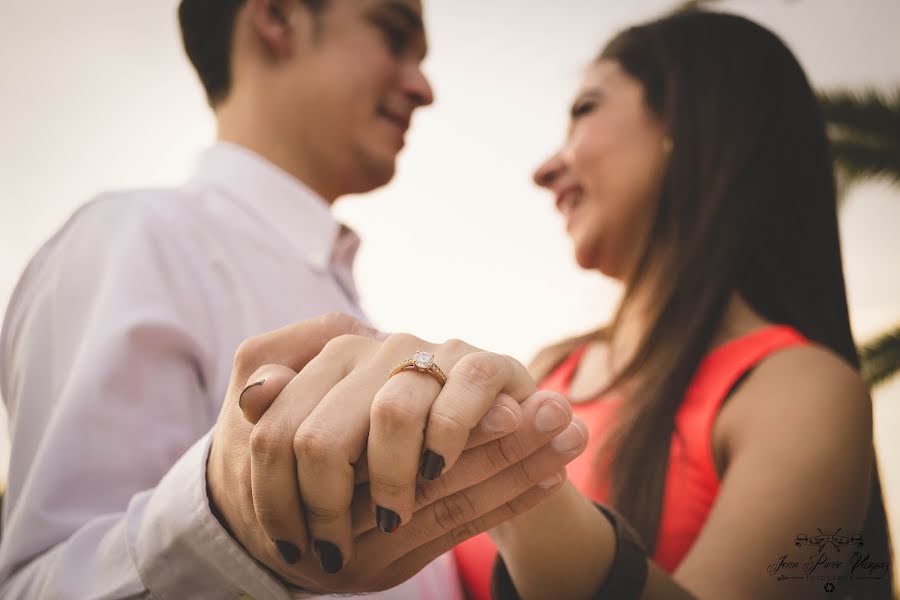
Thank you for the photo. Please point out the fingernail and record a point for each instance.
(244, 391)
(388, 520)
(432, 465)
(500, 420)
(550, 416)
(568, 440)
(329, 556)
(289, 552)
(550, 481)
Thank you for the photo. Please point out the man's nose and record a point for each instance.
(418, 89)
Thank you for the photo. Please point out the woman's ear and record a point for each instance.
(667, 145)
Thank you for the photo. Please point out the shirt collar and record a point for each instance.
(283, 203)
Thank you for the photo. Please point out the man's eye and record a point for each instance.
(397, 38)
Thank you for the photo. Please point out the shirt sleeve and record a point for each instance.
(104, 360)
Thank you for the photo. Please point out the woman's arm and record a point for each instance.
(800, 460)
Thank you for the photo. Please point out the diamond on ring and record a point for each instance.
(423, 360)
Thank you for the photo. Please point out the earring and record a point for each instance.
(667, 145)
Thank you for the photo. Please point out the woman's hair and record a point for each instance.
(748, 205)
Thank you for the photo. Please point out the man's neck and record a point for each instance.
(257, 138)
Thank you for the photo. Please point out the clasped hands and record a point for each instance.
(316, 466)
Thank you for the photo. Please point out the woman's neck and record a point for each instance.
(737, 320)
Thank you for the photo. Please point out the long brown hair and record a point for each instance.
(748, 205)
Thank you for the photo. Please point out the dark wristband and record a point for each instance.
(628, 573)
(625, 580)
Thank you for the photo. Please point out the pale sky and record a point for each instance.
(96, 95)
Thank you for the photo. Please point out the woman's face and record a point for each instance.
(607, 177)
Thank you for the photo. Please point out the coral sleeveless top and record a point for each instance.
(691, 480)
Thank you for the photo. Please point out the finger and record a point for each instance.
(455, 512)
(261, 390)
(327, 446)
(296, 344)
(489, 460)
(460, 512)
(503, 418)
(471, 389)
(399, 413)
(415, 560)
(273, 446)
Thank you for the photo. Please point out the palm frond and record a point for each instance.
(692, 5)
(868, 113)
(864, 128)
(880, 357)
(864, 158)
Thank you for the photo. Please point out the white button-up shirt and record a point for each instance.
(115, 356)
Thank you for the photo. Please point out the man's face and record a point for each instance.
(346, 98)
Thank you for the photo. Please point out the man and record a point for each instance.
(118, 348)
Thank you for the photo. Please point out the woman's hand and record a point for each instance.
(343, 404)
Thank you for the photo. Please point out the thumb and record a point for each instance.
(261, 390)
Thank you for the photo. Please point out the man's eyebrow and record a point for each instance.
(413, 18)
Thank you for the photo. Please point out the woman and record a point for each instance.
(728, 421)
(697, 171)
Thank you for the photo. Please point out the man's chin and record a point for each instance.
(375, 174)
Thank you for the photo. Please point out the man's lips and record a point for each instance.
(399, 119)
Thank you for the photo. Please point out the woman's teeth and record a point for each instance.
(571, 200)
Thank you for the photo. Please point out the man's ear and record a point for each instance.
(278, 23)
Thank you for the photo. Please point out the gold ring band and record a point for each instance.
(422, 362)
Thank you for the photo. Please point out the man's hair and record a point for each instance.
(207, 31)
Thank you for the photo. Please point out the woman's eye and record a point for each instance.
(580, 109)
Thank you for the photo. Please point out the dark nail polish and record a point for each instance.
(388, 520)
(244, 391)
(289, 552)
(329, 556)
(432, 465)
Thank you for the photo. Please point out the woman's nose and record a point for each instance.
(549, 171)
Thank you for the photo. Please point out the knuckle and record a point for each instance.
(455, 346)
(316, 446)
(478, 370)
(401, 342)
(384, 485)
(448, 425)
(337, 321)
(395, 412)
(453, 511)
(464, 532)
(322, 515)
(519, 505)
(523, 477)
(497, 455)
(266, 441)
(246, 356)
(512, 449)
(268, 518)
(339, 344)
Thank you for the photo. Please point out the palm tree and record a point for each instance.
(864, 128)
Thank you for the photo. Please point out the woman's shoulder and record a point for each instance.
(809, 370)
(809, 389)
